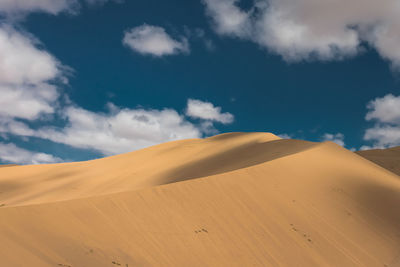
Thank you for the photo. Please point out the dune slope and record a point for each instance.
(387, 158)
(230, 200)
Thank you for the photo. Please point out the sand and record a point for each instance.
(240, 199)
(387, 158)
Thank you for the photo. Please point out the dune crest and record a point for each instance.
(242, 199)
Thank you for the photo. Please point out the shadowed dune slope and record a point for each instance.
(259, 201)
(387, 158)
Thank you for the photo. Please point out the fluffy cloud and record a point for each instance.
(228, 18)
(153, 40)
(21, 61)
(308, 29)
(207, 111)
(385, 109)
(338, 138)
(124, 130)
(120, 130)
(385, 112)
(383, 136)
(12, 7)
(11, 126)
(27, 102)
(27, 74)
(13, 154)
(20, 8)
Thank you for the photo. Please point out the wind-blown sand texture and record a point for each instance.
(239, 199)
(388, 158)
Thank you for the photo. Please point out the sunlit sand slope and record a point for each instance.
(242, 200)
(387, 158)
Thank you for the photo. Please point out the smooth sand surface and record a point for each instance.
(241, 199)
(387, 158)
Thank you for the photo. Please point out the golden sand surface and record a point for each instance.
(238, 199)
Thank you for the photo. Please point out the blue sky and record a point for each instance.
(90, 78)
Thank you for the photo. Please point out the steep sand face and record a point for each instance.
(242, 200)
(387, 158)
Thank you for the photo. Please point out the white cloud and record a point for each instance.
(27, 102)
(385, 109)
(11, 7)
(13, 154)
(21, 59)
(124, 130)
(120, 130)
(207, 111)
(337, 138)
(309, 29)
(153, 40)
(385, 112)
(11, 126)
(19, 8)
(383, 136)
(228, 18)
(365, 147)
(27, 74)
(284, 136)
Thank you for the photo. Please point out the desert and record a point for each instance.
(199, 133)
(237, 199)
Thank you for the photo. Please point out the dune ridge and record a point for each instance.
(242, 199)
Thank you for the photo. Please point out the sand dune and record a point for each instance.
(387, 158)
(231, 200)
